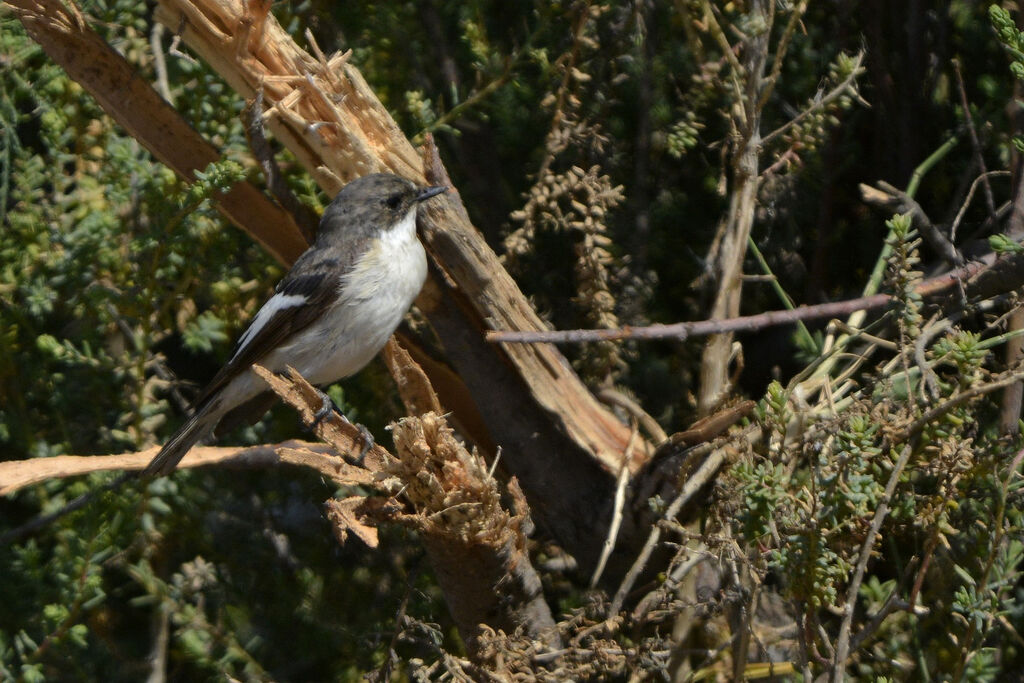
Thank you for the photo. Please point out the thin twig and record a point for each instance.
(873, 339)
(453, 114)
(927, 165)
(620, 501)
(614, 397)
(700, 477)
(385, 670)
(975, 143)
(780, 292)
(736, 69)
(982, 179)
(176, 41)
(37, 523)
(699, 328)
(748, 323)
(159, 63)
(893, 199)
(892, 604)
(305, 218)
(881, 512)
(1013, 397)
(780, 51)
(962, 397)
(929, 379)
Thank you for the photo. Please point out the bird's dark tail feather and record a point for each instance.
(196, 428)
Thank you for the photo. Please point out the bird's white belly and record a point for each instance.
(375, 296)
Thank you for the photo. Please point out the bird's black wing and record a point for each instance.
(298, 301)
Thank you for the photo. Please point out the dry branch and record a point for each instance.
(532, 402)
(477, 548)
(63, 34)
(895, 200)
(697, 328)
(335, 430)
(501, 590)
(730, 245)
(695, 469)
(984, 278)
(17, 474)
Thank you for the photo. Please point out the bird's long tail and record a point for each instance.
(196, 428)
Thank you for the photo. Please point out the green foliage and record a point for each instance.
(203, 332)
(587, 140)
(794, 512)
(807, 503)
(1004, 245)
(1011, 38)
(903, 275)
(121, 290)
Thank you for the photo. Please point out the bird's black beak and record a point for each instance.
(428, 192)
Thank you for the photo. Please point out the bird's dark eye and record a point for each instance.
(393, 201)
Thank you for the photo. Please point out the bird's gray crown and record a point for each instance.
(369, 205)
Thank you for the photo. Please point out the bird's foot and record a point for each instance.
(327, 406)
(368, 442)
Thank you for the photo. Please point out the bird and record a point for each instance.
(331, 313)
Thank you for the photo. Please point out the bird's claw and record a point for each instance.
(327, 406)
(368, 442)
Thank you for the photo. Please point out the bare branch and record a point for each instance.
(930, 415)
(613, 528)
(707, 469)
(898, 201)
(979, 157)
(980, 180)
(881, 512)
(1013, 397)
(796, 14)
(695, 329)
(981, 279)
(252, 116)
(17, 474)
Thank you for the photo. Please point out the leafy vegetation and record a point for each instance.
(590, 142)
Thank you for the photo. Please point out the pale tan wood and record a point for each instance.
(561, 443)
(323, 110)
(17, 474)
(64, 35)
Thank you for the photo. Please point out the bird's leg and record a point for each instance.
(367, 438)
(327, 406)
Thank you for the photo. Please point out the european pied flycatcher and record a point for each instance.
(332, 312)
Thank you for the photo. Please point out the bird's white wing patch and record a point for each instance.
(274, 305)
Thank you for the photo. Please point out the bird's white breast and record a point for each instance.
(373, 297)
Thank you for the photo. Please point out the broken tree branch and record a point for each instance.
(322, 109)
(62, 32)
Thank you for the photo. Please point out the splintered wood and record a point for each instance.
(315, 102)
(322, 109)
(442, 490)
(61, 30)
